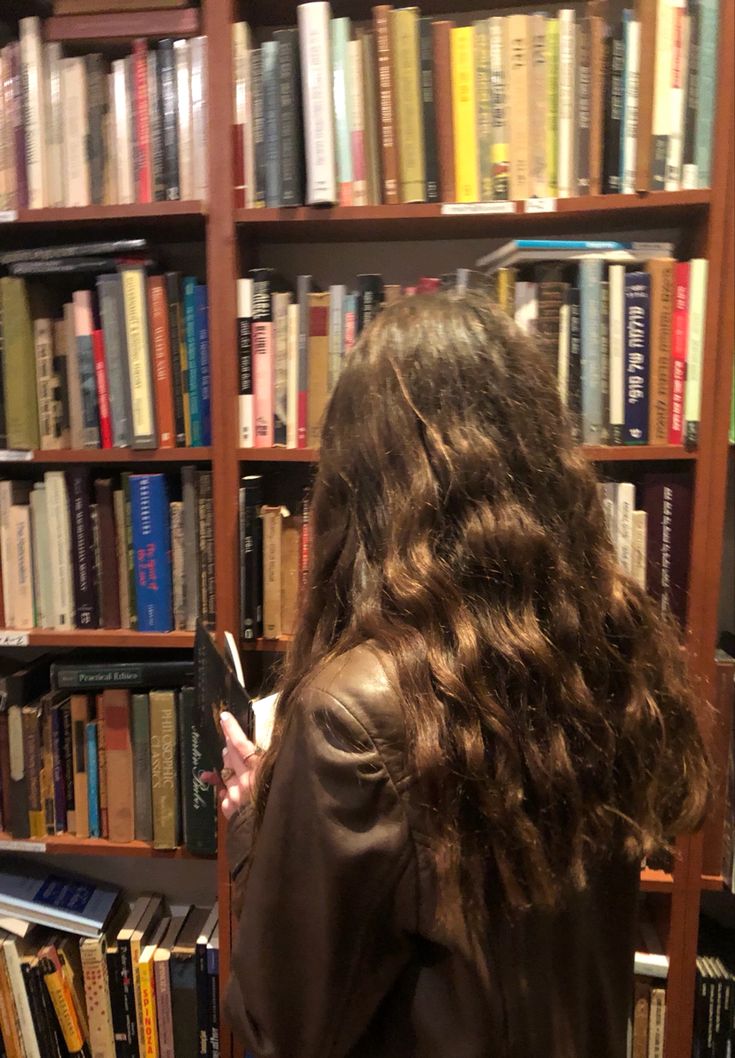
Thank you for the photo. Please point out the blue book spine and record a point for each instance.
(192, 356)
(93, 781)
(205, 393)
(590, 297)
(593, 245)
(637, 328)
(272, 122)
(706, 80)
(152, 551)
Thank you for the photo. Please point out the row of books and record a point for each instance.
(126, 364)
(146, 983)
(103, 759)
(624, 327)
(409, 109)
(714, 999)
(79, 131)
(77, 553)
(719, 841)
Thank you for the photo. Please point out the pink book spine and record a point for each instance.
(263, 380)
(103, 396)
(679, 352)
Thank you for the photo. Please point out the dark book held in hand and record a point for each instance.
(219, 688)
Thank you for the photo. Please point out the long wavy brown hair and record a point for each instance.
(455, 523)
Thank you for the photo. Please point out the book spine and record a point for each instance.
(637, 344)
(181, 398)
(164, 1013)
(139, 363)
(270, 53)
(646, 14)
(34, 111)
(130, 553)
(86, 614)
(192, 356)
(202, 334)
(158, 186)
(96, 116)
(44, 352)
(178, 567)
(337, 294)
(442, 56)
(661, 93)
(463, 114)
(143, 153)
(484, 123)
(678, 352)
(83, 323)
(111, 312)
(202, 998)
(103, 394)
(93, 792)
(638, 563)
(386, 86)
(108, 579)
(152, 546)
(695, 350)
(630, 96)
(584, 117)
(149, 1029)
(616, 280)
(590, 275)
(121, 110)
(292, 129)
(214, 1003)
(102, 771)
(625, 501)
(30, 724)
(358, 144)
(678, 94)
(57, 754)
(197, 797)
(404, 29)
(319, 359)
(263, 359)
(158, 315)
(190, 492)
(706, 81)
(169, 124)
(292, 376)
(499, 111)
(67, 765)
(18, 125)
(280, 303)
(54, 140)
(198, 85)
(662, 299)
(341, 87)
(164, 778)
(371, 118)
(79, 719)
(21, 398)
(63, 1005)
(688, 168)
(251, 597)
(206, 538)
(303, 286)
(271, 517)
(256, 76)
(246, 437)
(93, 954)
(597, 98)
(126, 977)
(183, 124)
(613, 116)
(429, 111)
(316, 73)
(567, 90)
(552, 104)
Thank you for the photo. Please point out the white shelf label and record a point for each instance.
(459, 209)
(13, 639)
(9, 845)
(7, 216)
(15, 455)
(540, 205)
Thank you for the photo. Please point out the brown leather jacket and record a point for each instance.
(337, 954)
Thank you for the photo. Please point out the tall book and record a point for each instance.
(251, 598)
(34, 109)
(116, 721)
(661, 304)
(499, 110)
(404, 28)
(198, 804)
(677, 98)
(341, 91)
(484, 124)
(291, 123)
(84, 331)
(706, 81)
(86, 611)
(140, 737)
(386, 96)
(164, 769)
(583, 44)
(270, 54)
(314, 38)
(538, 175)
(134, 292)
(160, 340)
(695, 350)
(590, 281)
(318, 346)
(194, 386)
(280, 304)
(358, 144)
(371, 118)
(464, 108)
(631, 82)
(637, 365)
(246, 435)
(614, 101)
(567, 89)
(442, 59)
(616, 373)
(169, 125)
(152, 549)
(661, 120)
(678, 362)
(19, 369)
(429, 110)
(109, 292)
(263, 356)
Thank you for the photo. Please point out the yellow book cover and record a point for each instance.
(148, 1028)
(404, 42)
(464, 113)
(517, 48)
(139, 358)
(272, 597)
(506, 279)
(552, 103)
(63, 1005)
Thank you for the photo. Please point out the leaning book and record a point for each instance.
(56, 901)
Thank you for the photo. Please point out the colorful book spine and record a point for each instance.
(404, 27)
(358, 143)
(552, 104)
(192, 355)
(519, 68)
(677, 98)
(152, 548)
(202, 338)
(103, 393)
(499, 111)
(93, 789)
(565, 153)
(590, 280)
(139, 360)
(616, 281)
(178, 372)
(538, 177)
(637, 344)
(340, 32)
(679, 352)
(463, 98)
(484, 123)
(303, 287)
(663, 65)
(142, 125)
(84, 328)
(381, 16)
(695, 350)
(662, 300)
(263, 358)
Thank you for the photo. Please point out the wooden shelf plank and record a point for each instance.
(70, 845)
(268, 646)
(156, 217)
(595, 453)
(427, 221)
(123, 26)
(123, 455)
(278, 455)
(656, 881)
(96, 637)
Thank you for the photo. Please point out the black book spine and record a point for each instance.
(256, 78)
(582, 139)
(614, 114)
(199, 808)
(126, 972)
(575, 362)
(86, 612)
(251, 588)
(34, 990)
(206, 553)
(202, 994)
(169, 119)
(173, 295)
(270, 59)
(132, 674)
(213, 981)
(60, 393)
(292, 126)
(245, 363)
(96, 111)
(431, 156)
(690, 120)
(117, 1004)
(370, 294)
(155, 122)
(67, 756)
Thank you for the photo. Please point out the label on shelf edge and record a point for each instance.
(13, 639)
(540, 205)
(15, 455)
(458, 209)
(7, 216)
(11, 845)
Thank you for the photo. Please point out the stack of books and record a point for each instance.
(142, 979)
(623, 325)
(123, 365)
(111, 751)
(81, 131)
(648, 1021)
(588, 100)
(77, 553)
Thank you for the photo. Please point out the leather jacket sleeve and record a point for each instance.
(328, 895)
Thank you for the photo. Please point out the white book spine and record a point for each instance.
(616, 378)
(663, 60)
(562, 367)
(41, 571)
(8, 566)
(567, 59)
(29, 1040)
(656, 1023)
(292, 372)
(241, 42)
(630, 90)
(139, 355)
(607, 491)
(678, 96)
(123, 153)
(640, 530)
(357, 123)
(199, 116)
(54, 120)
(97, 992)
(698, 268)
(246, 401)
(526, 312)
(76, 165)
(624, 524)
(34, 109)
(316, 76)
(21, 553)
(183, 99)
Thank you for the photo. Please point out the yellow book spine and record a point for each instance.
(136, 326)
(63, 1005)
(149, 1033)
(552, 104)
(404, 26)
(464, 113)
(517, 27)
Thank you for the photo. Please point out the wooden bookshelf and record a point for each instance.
(595, 453)
(70, 845)
(266, 646)
(146, 218)
(123, 27)
(97, 637)
(106, 456)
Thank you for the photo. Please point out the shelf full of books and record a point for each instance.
(404, 108)
(103, 749)
(83, 130)
(85, 552)
(121, 360)
(115, 978)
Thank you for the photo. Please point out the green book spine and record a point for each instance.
(19, 366)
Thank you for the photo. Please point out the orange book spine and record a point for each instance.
(442, 41)
(161, 342)
(143, 166)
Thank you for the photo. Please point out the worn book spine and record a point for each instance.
(86, 613)
(152, 548)
(661, 308)
(499, 110)
(551, 90)
(442, 44)
(637, 365)
(93, 956)
(197, 797)
(141, 750)
(19, 818)
(176, 509)
(270, 52)
(178, 377)
(139, 361)
(198, 83)
(21, 398)
(318, 364)
(79, 720)
(518, 29)
(19, 530)
(688, 167)
(158, 315)
(169, 125)
(646, 14)
(96, 115)
(141, 123)
(583, 105)
(678, 368)
(484, 122)
(251, 595)
(567, 93)
(538, 173)
(60, 386)
(116, 721)
(58, 512)
(405, 55)
(263, 357)
(464, 108)
(388, 133)
(44, 350)
(102, 769)
(258, 135)
(291, 118)
(164, 770)
(109, 590)
(316, 72)
(34, 110)
(47, 767)
(695, 350)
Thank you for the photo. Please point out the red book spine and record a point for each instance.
(679, 351)
(263, 379)
(103, 394)
(143, 166)
(350, 329)
(428, 285)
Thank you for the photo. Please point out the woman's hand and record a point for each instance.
(240, 759)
